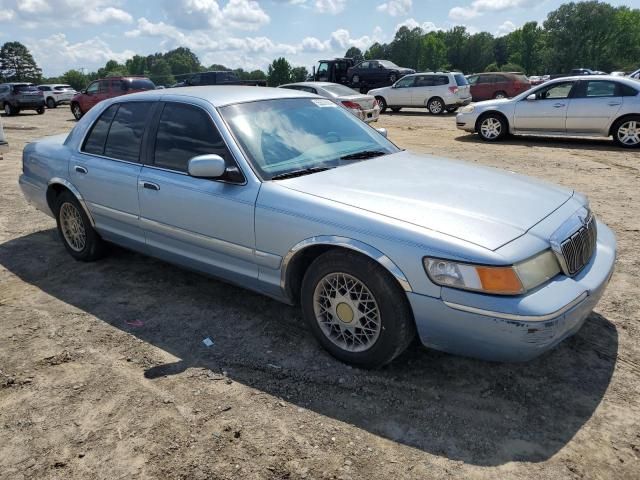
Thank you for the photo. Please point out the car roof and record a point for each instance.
(310, 84)
(614, 78)
(221, 95)
(53, 84)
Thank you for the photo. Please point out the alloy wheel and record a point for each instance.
(491, 128)
(347, 312)
(435, 107)
(77, 112)
(72, 227)
(629, 133)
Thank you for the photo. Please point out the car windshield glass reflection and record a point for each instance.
(286, 135)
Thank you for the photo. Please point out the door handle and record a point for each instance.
(558, 105)
(80, 169)
(150, 185)
(614, 104)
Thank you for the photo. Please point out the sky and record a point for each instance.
(85, 34)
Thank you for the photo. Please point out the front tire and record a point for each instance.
(40, 110)
(626, 132)
(492, 127)
(8, 110)
(78, 236)
(356, 309)
(76, 110)
(436, 106)
(393, 77)
(500, 94)
(383, 104)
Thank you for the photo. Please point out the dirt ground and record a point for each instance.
(103, 373)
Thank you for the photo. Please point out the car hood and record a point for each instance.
(481, 205)
(492, 103)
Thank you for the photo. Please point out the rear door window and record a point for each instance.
(184, 132)
(441, 80)
(94, 143)
(424, 81)
(125, 135)
(596, 88)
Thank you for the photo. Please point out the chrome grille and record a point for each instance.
(578, 248)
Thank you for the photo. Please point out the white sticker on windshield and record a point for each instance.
(323, 102)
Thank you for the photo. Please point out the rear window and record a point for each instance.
(138, 84)
(340, 90)
(25, 88)
(461, 80)
(522, 78)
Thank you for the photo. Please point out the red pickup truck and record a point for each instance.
(104, 88)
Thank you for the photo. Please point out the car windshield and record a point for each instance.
(283, 136)
(340, 90)
(388, 64)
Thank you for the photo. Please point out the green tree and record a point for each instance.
(257, 75)
(137, 65)
(160, 73)
(405, 47)
(74, 78)
(182, 60)
(355, 53)
(279, 72)
(299, 74)
(433, 52)
(377, 51)
(17, 64)
(456, 41)
(501, 51)
(112, 69)
(478, 52)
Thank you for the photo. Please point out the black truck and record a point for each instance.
(334, 71)
(218, 78)
(364, 76)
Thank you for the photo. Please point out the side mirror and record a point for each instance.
(531, 97)
(84, 90)
(207, 166)
(382, 131)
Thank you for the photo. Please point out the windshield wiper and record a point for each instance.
(363, 155)
(299, 173)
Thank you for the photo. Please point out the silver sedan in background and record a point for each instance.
(594, 106)
(363, 106)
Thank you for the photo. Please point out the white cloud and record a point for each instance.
(56, 54)
(412, 23)
(332, 7)
(479, 7)
(395, 8)
(35, 13)
(506, 28)
(204, 14)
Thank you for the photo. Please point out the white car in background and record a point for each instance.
(635, 75)
(437, 91)
(363, 106)
(57, 94)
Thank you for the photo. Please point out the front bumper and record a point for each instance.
(466, 121)
(515, 334)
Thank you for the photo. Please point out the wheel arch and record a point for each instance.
(296, 262)
(497, 112)
(55, 188)
(621, 117)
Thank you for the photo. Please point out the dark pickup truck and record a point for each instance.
(218, 78)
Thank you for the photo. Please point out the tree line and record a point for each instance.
(589, 34)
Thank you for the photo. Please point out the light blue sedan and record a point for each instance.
(287, 194)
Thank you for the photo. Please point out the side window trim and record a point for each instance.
(150, 142)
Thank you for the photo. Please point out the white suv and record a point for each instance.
(437, 91)
(56, 94)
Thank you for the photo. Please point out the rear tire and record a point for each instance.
(500, 94)
(393, 77)
(76, 111)
(383, 104)
(40, 110)
(51, 103)
(78, 236)
(436, 106)
(626, 132)
(8, 110)
(356, 309)
(492, 127)
(355, 79)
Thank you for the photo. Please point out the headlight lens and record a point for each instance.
(509, 280)
(467, 109)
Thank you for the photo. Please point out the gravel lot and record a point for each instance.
(103, 373)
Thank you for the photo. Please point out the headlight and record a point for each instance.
(509, 280)
(467, 109)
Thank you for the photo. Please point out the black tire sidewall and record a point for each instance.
(398, 327)
(73, 105)
(51, 103)
(94, 246)
(383, 104)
